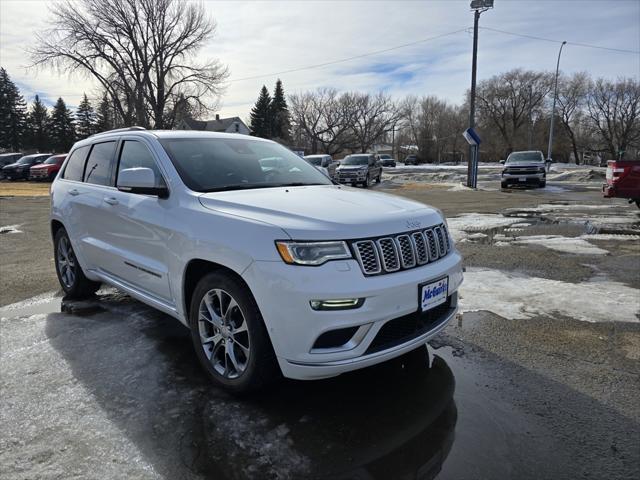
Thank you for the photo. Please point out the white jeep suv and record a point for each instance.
(272, 266)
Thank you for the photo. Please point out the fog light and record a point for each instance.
(341, 304)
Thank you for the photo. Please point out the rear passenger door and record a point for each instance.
(135, 227)
(97, 182)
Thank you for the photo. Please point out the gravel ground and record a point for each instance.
(114, 390)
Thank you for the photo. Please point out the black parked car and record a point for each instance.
(20, 169)
(387, 160)
(8, 158)
(411, 160)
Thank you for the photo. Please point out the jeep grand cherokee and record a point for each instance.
(273, 268)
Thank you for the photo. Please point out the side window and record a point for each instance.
(135, 154)
(75, 166)
(100, 163)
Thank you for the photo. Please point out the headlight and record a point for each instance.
(312, 253)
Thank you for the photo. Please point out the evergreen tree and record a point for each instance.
(62, 129)
(104, 115)
(261, 115)
(12, 114)
(279, 113)
(85, 119)
(38, 126)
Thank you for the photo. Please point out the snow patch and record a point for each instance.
(477, 222)
(560, 243)
(520, 297)
(10, 229)
(609, 236)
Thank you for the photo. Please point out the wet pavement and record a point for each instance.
(115, 390)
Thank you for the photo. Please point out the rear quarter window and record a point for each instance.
(75, 166)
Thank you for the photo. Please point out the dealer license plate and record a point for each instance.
(434, 294)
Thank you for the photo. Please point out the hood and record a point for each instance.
(42, 166)
(524, 164)
(326, 212)
(352, 167)
(13, 166)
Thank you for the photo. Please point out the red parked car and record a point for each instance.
(48, 169)
(623, 180)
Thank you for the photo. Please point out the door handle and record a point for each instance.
(111, 200)
(74, 192)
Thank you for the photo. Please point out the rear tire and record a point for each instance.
(70, 275)
(238, 354)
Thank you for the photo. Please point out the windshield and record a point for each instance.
(316, 161)
(216, 164)
(356, 160)
(385, 157)
(525, 157)
(53, 160)
(26, 160)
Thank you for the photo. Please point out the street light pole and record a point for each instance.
(472, 100)
(553, 108)
(478, 6)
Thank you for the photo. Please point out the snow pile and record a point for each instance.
(519, 297)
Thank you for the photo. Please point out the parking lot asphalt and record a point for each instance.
(538, 378)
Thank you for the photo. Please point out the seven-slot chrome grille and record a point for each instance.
(403, 251)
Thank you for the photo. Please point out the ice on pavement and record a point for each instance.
(516, 296)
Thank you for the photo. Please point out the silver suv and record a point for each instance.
(273, 267)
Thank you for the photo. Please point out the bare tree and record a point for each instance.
(614, 114)
(571, 100)
(324, 118)
(374, 116)
(140, 51)
(505, 100)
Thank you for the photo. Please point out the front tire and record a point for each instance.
(504, 185)
(229, 335)
(70, 275)
(378, 178)
(367, 182)
(542, 184)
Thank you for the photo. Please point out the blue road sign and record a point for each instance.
(471, 137)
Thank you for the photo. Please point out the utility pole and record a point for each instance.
(530, 118)
(553, 109)
(478, 6)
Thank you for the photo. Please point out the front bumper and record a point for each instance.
(283, 293)
(39, 174)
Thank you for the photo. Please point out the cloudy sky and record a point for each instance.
(263, 38)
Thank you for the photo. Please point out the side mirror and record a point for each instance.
(502, 161)
(141, 180)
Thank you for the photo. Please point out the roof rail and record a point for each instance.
(126, 129)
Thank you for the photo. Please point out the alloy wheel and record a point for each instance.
(66, 262)
(224, 334)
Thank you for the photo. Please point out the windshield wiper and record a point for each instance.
(240, 186)
(299, 184)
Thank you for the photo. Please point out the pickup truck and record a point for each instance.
(623, 180)
(359, 169)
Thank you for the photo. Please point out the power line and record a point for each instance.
(620, 50)
(355, 57)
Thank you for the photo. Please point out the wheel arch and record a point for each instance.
(55, 226)
(194, 271)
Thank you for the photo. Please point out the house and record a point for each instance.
(227, 125)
